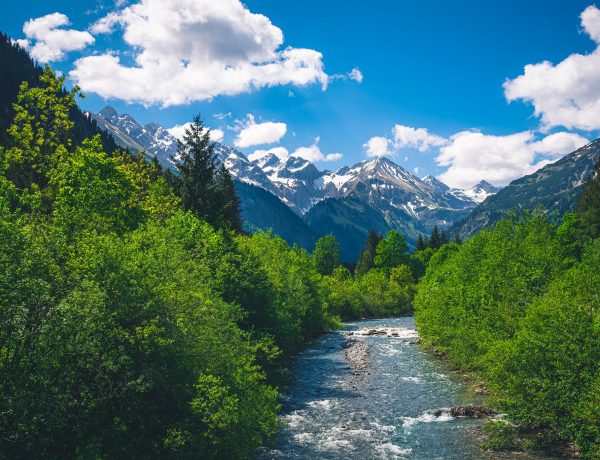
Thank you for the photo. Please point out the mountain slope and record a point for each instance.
(554, 187)
(349, 219)
(15, 67)
(262, 210)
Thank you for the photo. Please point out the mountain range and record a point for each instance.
(376, 193)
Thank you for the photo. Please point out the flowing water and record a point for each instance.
(336, 410)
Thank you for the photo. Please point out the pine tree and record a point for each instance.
(588, 205)
(229, 203)
(444, 238)
(421, 243)
(456, 238)
(197, 169)
(366, 260)
(435, 240)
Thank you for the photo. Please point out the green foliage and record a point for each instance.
(391, 252)
(40, 131)
(128, 327)
(326, 254)
(344, 296)
(500, 435)
(515, 304)
(383, 297)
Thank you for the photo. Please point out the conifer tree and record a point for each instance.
(229, 203)
(588, 205)
(366, 260)
(456, 238)
(421, 243)
(197, 169)
(436, 239)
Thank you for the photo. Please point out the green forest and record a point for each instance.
(137, 320)
(518, 305)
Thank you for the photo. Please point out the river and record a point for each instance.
(335, 410)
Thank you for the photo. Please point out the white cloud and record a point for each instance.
(356, 75)
(193, 50)
(402, 137)
(416, 170)
(472, 156)
(260, 133)
(559, 144)
(313, 153)
(222, 116)
(46, 42)
(568, 93)
(280, 152)
(418, 138)
(377, 146)
(177, 131)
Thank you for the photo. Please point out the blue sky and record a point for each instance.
(449, 74)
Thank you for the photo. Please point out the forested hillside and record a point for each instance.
(137, 320)
(17, 67)
(519, 305)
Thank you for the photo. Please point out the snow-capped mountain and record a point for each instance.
(152, 137)
(479, 192)
(400, 195)
(406, 201)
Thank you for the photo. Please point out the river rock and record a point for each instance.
(472, 411)
(357, 353)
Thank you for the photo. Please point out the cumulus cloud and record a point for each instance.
(46, 42)
(471, 156)
(559, 144)
(377, 146)
(194, 50)
(402, 137)
(418, 138)
(568, 93)
(313, 153)
(177, 131)
(260, 133)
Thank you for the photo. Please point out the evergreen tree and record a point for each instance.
(229, 203)
(197, 170)
(436, 239)
(588, 205)
(444, 238)
(327, 254)
(456, 238)
(421, 243)
(366, 260)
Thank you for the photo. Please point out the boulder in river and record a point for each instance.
(472, 411)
